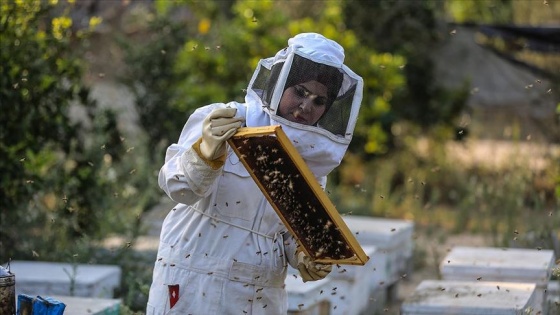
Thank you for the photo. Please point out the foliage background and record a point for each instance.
(71, 176)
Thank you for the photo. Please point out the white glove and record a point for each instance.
(217, 128)
(309, 270)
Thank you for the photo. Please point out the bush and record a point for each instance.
(63, 177)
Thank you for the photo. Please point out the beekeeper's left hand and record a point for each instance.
(311, 271)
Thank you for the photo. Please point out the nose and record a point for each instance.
(306, 105)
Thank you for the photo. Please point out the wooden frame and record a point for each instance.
(296, 196)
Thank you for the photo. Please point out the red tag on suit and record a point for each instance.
(173, 294)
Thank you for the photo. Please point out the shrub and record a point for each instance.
(64, 177)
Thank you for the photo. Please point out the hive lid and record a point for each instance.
(498, 264)
(51, 272)
(381, 232)
(469, 297)
(293, 192)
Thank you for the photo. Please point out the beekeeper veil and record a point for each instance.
(309, 57)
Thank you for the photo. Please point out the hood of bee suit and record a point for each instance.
(321, 149)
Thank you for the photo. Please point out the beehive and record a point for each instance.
(309, 298)
(501, 264)
(49, 278)
(296, 196)
(434, 297)
(393, 239)
(91, 306)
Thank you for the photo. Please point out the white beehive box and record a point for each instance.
(89, 306)
(501, 264)
(355, 285)
(393, 240)
(356, 272)
(435, 297)
(48, 278)
(553, 297)
(309, 298)
(346, 290)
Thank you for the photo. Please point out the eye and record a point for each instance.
(320, 101)
(300, 91)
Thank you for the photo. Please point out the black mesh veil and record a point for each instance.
(343, 88)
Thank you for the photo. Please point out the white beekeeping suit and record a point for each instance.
(223, 249)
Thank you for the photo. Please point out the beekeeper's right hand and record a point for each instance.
(217, 128)
(309, 270)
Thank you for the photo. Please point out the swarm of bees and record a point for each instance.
(287, 189)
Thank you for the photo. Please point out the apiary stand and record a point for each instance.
(393, 241)
(49, 278)
(444, 297)
(501, 264)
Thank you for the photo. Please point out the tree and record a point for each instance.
(210, 58)
(410, 29)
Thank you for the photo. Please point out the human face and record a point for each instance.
(304, 103)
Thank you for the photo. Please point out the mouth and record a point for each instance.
(299, 118)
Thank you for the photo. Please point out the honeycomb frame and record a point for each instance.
(294, 193)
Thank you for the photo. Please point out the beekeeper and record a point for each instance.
(223, 249)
